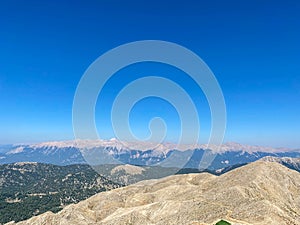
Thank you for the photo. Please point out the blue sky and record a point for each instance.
(251, 46)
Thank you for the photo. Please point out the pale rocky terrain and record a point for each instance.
(130, 169)
(259, 193)
(293, 163)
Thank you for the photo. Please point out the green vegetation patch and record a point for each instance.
(223, 222)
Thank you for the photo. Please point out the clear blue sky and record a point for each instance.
(252, 47)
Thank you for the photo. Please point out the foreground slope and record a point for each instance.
(258, 193)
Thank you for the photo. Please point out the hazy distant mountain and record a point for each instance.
(259, 193)
(44, 154)
(115, 152)
(28, 189)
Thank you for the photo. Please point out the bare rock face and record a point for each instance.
(258, 193)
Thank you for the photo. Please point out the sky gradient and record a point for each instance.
(252, 47)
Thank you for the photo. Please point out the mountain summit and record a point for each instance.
(259, 193)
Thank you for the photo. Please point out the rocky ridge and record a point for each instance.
(259, 193)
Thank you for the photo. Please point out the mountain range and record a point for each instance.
(102, 152)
